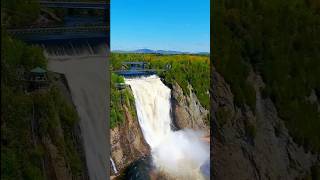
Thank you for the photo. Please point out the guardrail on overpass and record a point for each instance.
(75, 5)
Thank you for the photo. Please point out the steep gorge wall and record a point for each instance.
(187, 111)
(57, 166)
(253, 146)
(127, 141)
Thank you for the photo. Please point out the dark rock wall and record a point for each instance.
(187, 110)
(263, 150)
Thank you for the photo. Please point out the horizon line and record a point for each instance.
(160, 50)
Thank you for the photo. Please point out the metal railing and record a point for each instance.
(76, 5)
(59, 29)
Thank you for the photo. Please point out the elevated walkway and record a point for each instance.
(75, 30)
(132, 73)
(133, 69)
(58, 30)
(75, 5)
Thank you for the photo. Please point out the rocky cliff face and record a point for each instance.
(127, 142)
(56, 163)
(187, 111)
(253, 146)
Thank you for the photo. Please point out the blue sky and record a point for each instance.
(182, 25)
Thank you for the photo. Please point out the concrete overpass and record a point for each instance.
(75, 5)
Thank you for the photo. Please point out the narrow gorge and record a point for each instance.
(167, 141)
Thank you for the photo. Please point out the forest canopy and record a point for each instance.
(278, 40)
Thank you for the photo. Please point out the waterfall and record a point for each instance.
(86, 77)
(152, 100)
(74, 49)
(178, 153)
(113, 166)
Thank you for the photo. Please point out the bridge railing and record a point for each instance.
(76, 5)
(59, 29)
(133, 73)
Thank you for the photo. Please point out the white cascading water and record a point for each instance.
(86, 77)
(113, 166)
(177, 153)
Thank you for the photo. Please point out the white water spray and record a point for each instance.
(178, 153)
(113, 166)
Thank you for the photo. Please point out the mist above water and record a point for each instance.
(177, 153)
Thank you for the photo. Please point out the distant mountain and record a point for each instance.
(203, 53)
(143, 51)
(150, 51)
(170, 52)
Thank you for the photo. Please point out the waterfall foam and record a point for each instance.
(178, 153)
(74, 49)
